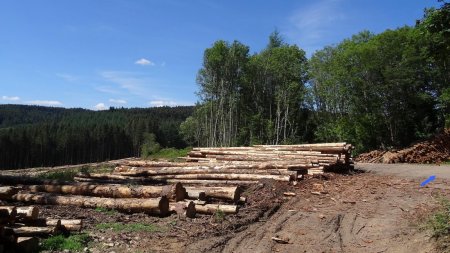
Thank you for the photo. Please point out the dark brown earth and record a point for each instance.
(363, 212)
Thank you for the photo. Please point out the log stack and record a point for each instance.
(21, 226)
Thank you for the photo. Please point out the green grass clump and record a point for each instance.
(219, 216)
(106, 210)
(76, 242)
(439, 222)
(131, 227)
(170, 153)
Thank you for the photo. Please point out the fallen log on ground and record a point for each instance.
(228, 193)
(213, 208)
(27, 244)
(6, 192)
(183, 209)
(174, 192)
(211, 182)
(154, 206)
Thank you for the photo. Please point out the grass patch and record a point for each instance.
(219, 216)
(75, 242)
(106, 210)
(170, 154)
(130, 227)
(439, 224)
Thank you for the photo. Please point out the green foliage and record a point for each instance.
(170, 154)
(130, 227)
(439, 222)
(149, 145)
(73, 243)
(69, 173)
(34, 136)
(219, 216)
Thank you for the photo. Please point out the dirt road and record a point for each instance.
(365, 212)
(419, 171)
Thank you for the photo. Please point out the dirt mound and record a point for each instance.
(434, 150)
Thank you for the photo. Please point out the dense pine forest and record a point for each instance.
(44, 136)
(373, 90)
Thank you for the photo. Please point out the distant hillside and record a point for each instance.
(47, 136)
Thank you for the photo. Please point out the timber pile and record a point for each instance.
(21, 227)
(434, 150)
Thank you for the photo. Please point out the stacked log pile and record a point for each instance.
(21, 226)
(434, 150)
(208, 181)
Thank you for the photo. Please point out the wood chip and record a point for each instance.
(290, 194)
(280, 240)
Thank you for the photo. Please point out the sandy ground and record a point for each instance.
(419, 171)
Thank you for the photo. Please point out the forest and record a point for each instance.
(375, 91)
(383, 90)
(32, 136)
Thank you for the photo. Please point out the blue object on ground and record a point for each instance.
(431, 178)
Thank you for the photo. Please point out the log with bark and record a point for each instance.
(227, 193)
(174, 192)
(183, 209)
(154, 206)
(8, 214)
(27, 244)
(213, 208)
(6, 192)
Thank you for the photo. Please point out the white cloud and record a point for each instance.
(67, 77)
(10, 98)
(100, 107)
(125, 80)
(45, 102)
(311, 25)
(118, 101)
(107, 89)
(159, 103)
(144, 61)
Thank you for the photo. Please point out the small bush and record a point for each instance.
(76, 242)
(170, 154)
(219, 216)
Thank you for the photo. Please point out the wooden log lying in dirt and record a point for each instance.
(228, 193)
(245, 177)
(183, 209)
(210, 182)
(69, 225)
(230, 169)
(36, 231)
(27, 213)
(6, 192)
(195, 194)
(174, 192)
(155, 206)
(213, 208)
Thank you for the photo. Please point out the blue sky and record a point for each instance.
(141, 53)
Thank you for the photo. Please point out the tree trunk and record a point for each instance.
(213, 208)
(228, 193)
(183, 209)
(154, 206)
(174, 192)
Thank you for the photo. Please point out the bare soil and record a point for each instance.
(363, 212)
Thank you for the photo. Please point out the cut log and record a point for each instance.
(213, 208)
(175, 192)
(211, 182)
(36, 231)
(155, 206)
(229, 169)
(27, 244)
(244, 177)
(6, 192)
(195, 194)
(184, 209)
(27, 213)
(68, 225)
(228, 193)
